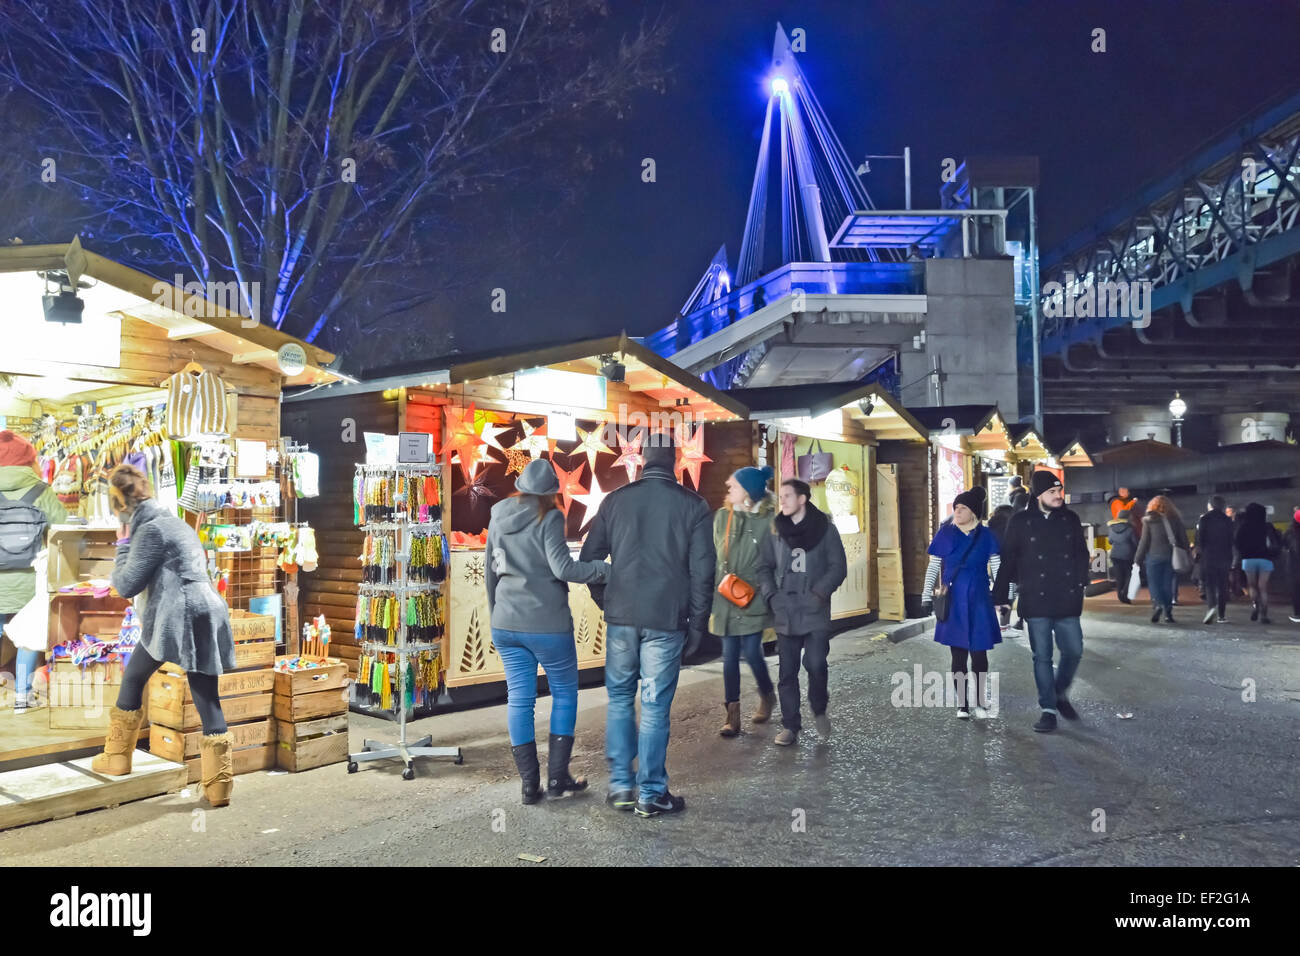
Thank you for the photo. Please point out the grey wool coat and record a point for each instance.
(183, 620)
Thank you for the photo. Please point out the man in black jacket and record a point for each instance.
(660, 537)
(1046, 555)
(1214, 549)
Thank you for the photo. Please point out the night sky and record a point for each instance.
(947, 78)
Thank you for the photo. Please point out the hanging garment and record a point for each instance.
(196, 404)
(306, 474)
(68, 482)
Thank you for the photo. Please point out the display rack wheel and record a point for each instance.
(352, 766)
(408, 773)
(460, 759)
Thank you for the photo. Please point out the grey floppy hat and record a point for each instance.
(538, 478)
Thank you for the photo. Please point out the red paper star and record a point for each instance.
(482, 455)
(691, 457)
(461, 433)
(630, 456)
(570, 484)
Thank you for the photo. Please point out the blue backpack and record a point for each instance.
(22, 529)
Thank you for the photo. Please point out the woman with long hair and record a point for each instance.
(160, 565)
(528, 570)
(1259, 544)
(1162, 531)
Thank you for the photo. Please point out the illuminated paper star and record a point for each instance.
(593, 500)
(691, 457)
(489, 432)
(534, 441)
(516, 459)
(630, 457)
(477, 489)
(570, 484)
(461, 436)
(482, 455)
(591, 443)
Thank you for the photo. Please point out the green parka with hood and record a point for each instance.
(18, 586)
(747, 531)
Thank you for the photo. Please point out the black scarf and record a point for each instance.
(808, 533)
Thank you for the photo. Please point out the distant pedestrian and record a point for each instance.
(739, 528)
(1122, 500)
(1046, 555)
(802, 563)
(1291, 541)
(998, 523)
(656, 611)
(1214, 551)
(1123, 545)
(961, 555)
(1162, 533)
(1259, 545)
(528, 573)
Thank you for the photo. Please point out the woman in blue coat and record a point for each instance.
(962, 552)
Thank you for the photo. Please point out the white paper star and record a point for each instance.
(591, 443)
(534, 441)
(593, 500)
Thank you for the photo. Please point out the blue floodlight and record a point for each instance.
(779, 85)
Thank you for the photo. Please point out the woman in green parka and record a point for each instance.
(738, 527)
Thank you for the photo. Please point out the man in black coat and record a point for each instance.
(1045, 554)
(1214, 534)
(660, 537)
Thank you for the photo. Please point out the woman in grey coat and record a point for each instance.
(160, 564)
(528, 570)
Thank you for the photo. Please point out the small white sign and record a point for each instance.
(292, 359)
(561, 425)
(250, 458)
(414, 447)
(380, 449)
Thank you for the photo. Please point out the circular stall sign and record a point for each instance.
(291, 358)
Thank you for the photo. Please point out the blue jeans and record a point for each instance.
(1160, 579)
(751, 646)
(521, 652)
(26, 664)
(654, 658)
(1069, 638)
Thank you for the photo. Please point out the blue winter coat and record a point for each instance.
(972, 623)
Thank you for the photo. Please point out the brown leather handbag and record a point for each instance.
(732, 587)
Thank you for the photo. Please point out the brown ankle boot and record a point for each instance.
(732, 725)
(764, 709)
(216, 767)
(119, 743)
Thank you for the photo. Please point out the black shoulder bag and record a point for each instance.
(942, 598)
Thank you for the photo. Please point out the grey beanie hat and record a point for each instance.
(538, 478)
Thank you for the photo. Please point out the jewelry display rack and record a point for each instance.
(400, 525)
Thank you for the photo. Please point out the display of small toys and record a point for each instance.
(316, 639)
(95, 587)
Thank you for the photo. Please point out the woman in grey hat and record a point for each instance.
(528, 565)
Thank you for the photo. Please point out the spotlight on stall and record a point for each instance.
(613, 370)
(62, 305)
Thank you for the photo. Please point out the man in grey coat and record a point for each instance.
(800, 565)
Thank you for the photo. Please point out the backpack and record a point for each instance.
(22, 529)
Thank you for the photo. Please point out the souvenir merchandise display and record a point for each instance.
(215, 495)
(377, 680)
(196, 403)
(380, 614)
(89, 649)
(374, 494)
(427, 561)
(303, 472)
(316, 639)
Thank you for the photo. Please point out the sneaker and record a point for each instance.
(1209, 616)
(21, 702)
(1221, 620)
(1293, 619)
(823, 723)
(1046, 723)
(1254, 612)
(981, 713)
(963, 713)
(622, 799)
(1169, 618)
(786, 737)
(1066, 709)
(1155, 616)
(664, 803)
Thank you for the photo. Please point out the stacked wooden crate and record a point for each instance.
(81, 697)
(311, 713)
(247, 697)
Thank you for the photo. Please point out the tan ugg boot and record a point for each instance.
(732, 725)
(119, 743)
(763, 711)
(216, 767)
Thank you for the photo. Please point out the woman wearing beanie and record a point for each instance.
(20, 489)
(1162, 531)
(528, 598)
(160, 563)
(962, 552)
(1259, 544)
(738, 530)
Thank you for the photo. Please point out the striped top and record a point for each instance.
(196, 405)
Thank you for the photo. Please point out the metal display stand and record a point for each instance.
(400, 525)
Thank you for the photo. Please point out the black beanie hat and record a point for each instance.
(1044, 481)
(973, 499)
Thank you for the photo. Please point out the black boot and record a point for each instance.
(529, 772)
(558, 781)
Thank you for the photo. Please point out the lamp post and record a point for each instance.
(1178, 408)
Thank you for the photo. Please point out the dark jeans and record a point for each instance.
(1295, 589)
(1069, 638)
(979, 664)
(1120, 572)
(814, 647)
(203, 687)
(751, 646)
(1216, 586)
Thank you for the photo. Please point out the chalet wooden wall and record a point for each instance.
(914, 512)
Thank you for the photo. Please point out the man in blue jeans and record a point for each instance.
(1046, 555)
(660, 539)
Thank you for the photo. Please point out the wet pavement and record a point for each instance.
(1197, 774)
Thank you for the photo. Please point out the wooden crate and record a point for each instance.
(312, 743)
(250, 654)
(309, 681)
(245, 696)
(299, 707)
(178, 745)
(81, 699)
(229, 684)
(251, 627)
(248, 760)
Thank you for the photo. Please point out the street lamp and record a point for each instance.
(1178, 408)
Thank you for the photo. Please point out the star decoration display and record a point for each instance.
(481, 455)
(593, 500)
(630, 456)
(591, 443)
(570, 484)
(534, 441)
(462, 436)
(691, 457)
(516, 459)
(489, 433)
(477, 489)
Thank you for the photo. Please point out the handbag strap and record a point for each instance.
(965, 554)
(1170, 532)
(726, 554)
